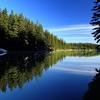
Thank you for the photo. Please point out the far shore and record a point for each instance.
(76, 50)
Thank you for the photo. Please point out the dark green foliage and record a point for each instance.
(96, 20)
(19, 33)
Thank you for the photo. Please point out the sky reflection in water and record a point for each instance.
(58, 76)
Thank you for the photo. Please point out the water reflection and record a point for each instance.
(18, 68)
(93, 92)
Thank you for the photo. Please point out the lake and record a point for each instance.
(53, 76)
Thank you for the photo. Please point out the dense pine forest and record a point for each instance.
(19, 33)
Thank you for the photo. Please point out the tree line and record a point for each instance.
(19, 33)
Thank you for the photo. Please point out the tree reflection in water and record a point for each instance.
(93, 92)
(18, 68)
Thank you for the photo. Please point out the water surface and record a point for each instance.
(54, 76)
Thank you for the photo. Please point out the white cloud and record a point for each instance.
(71, 28)
(74, 33)
(76, 71)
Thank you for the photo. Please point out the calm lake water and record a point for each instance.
(54, 76)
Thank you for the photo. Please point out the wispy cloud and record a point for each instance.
(75, 71)
(71, 28)
(74, 33)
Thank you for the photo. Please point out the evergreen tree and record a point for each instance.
(96, 20)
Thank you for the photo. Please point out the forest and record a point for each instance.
(18, 33)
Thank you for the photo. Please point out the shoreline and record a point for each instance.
(76, 50)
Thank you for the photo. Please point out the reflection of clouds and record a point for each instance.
(79, 65)
(76, 71)
(91, 60)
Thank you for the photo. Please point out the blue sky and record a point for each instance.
(68, 19)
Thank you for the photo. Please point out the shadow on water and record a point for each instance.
(18, 68)
(93, 92)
